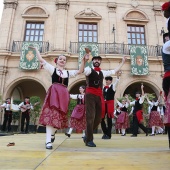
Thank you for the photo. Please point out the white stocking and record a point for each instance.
(160, 130)
(70, 130)
(49, 132)
(123, 131)
(153, 129)
(83, 135)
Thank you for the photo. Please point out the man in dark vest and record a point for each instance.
(7, 115)
(109, 93)
(137, 113)
(94, 97)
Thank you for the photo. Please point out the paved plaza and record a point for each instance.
(119, 153)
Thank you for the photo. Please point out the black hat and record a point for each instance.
(165, 35)
(96, 57)
(109, 78)
(138, 92)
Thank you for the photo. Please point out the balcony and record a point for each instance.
(17, 46)
(117, 48)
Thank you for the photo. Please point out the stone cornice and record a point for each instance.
(10, 4)
(62, 4)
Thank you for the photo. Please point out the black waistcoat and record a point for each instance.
(109, 94)
(79, 101)
(57, 79)
(124, 109)
(137, 106)
(166, 61)
(154, 108)
(94, 79)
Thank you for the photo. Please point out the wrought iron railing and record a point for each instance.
(17, 45)
(116, 48)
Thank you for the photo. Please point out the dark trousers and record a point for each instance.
(7, 118)
(107, 130)
(25, 116)
(136, 125)
(168, 130)
(166, 85)
(93, 114)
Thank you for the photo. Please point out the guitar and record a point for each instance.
(24, 108)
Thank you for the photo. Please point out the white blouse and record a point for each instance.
(50, 68)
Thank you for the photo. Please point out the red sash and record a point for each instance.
(139, 116)
(97, 92)
(110, 108)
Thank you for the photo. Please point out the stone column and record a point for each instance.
(7, 24)
(61, 25)
(112, 20)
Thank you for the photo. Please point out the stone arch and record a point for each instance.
(26, 86)
(35, 11)
(74, 87)
(135, 15)
(133, 86)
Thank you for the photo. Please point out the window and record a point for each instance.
(87, 32)
(34, 31)
(136, 35)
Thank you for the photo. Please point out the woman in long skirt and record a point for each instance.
(123, 118)
(78, 117)
(154, 116)
(55, 107)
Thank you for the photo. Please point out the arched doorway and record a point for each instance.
(26, 87)
(75, 88)
(133, 88)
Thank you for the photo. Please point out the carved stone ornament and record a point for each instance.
(157, 10)
(134, 3)
(88, 14)
(112, 6)
(10, 4)
(136, 16)
(62, 4)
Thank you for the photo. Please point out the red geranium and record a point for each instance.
(165, 6)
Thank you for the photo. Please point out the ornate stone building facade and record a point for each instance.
(62, 24)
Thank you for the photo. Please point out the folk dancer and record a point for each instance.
(94, 98)
(25, 108)
(117, 112)
(54, 110)
(7, 115)
(155, 120)
(137, 113)
(109, 93)
(78, 117)
(166, 81)
(123, 117)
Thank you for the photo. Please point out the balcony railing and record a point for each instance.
(17, 46)
(116, 48)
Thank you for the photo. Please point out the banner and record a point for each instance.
(139, 60)
(28, 59)
(93, 47)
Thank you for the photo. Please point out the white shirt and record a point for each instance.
(166, 47)
(6, 106)
(50, 68)
(141, 100)
(117, 110)
(114, 85)
(74, 96)
(87, 72)
(121, 105)
(21, 104)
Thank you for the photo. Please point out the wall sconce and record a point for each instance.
(162, 31)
